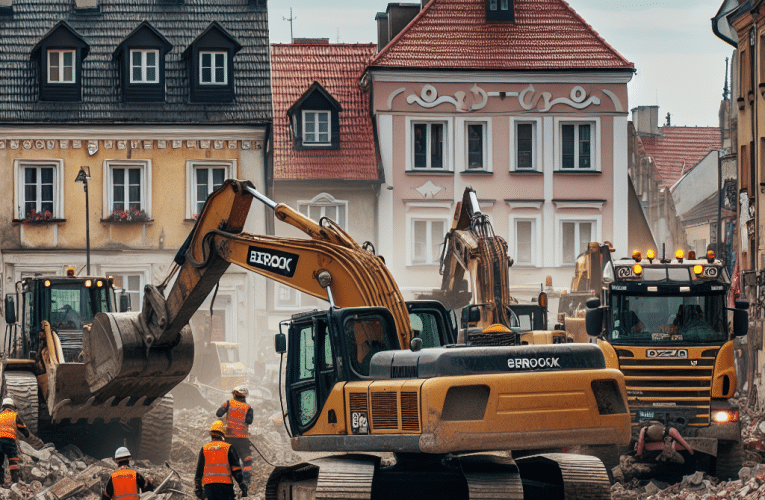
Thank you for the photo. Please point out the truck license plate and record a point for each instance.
(645, 415)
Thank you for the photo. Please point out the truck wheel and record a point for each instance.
(729, 460)
(156, 437)
(22, 387)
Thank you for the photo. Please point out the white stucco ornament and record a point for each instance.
(428, 98)
(428, 190)
(527, 98)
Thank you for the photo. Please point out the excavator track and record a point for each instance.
(492, 478)
(584, 477)
(22, 387)
(554, 476)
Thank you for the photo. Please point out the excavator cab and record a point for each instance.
(327, 348)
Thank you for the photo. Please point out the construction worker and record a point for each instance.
(218, 467)
(239, 418)
(125, 483)
(10, 424)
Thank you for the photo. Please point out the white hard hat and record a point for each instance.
(241, 390)
(8, 402)
(122, 453)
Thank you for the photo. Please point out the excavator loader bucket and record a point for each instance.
(119, 363)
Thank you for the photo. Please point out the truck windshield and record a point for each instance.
(72, 306)
(673, 320)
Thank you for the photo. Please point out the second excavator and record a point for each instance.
(359, 382)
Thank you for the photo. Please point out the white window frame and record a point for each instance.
(324, 200)
(146, 190)
(125, 272)
(597, 222)
(316, 133)
(537, 147)
(144, 66)
(191, 179)
(536, 239)
(448, 144)
(213, 53)
(295, 297)
(61, 66)
(461, 144)
(434, 260)
(58, 186)
(595, 143)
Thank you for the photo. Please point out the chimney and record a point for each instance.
(646, 121)
(85, 4)
(382, 30)
(399, 15)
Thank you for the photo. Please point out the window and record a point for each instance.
(316, 127)
(39, 190)
(286, 297)
(130, 285)
(127, 190)
(499, 10)
(575, 236)
(524, 242)
(61, 66)
(144, 66)
(427, 237)
(576, 146)
(213, 68)
(206, 180)
(476, 146)
(325, 205)
(428, 142)
(524, 146)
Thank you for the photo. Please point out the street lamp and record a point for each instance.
(82, 176)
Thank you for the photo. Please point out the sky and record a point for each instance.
(679, 62)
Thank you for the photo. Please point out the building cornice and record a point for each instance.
(416, 76)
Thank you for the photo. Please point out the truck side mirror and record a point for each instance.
(740, 321)
(124, 303)
(10, 309)
(594, 321)
(593, 303)
(280, 343)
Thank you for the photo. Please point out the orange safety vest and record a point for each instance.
(235, 426)
(217, 468)
(125, 484)
(8, 424)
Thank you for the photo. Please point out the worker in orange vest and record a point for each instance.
(125, 483)
(10, 424)
(239, 418)
(218, 467)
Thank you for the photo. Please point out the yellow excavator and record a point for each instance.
(472, 247)
(359, 382)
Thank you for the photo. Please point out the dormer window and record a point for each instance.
(141, 59)
(61, 66)
(316, 127)
(315, 119)
(500, 11)
(213, 69)
(144, 66)
(59, 55)
(211, 65)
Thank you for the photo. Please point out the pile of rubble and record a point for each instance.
(699, 486)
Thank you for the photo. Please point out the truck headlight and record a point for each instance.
(724, 416)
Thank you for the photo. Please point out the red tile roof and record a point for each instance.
(337, 68)
(678, 149)
(453, 34)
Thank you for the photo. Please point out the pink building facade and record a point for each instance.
(542, 139)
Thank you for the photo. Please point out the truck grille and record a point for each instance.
(391, 411)
(669, 385)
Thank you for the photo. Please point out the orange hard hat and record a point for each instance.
(496, 328)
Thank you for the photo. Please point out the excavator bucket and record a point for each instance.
(119, 363)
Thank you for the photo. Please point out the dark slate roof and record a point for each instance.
(104, 30)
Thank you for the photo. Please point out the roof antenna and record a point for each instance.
(290, 19)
